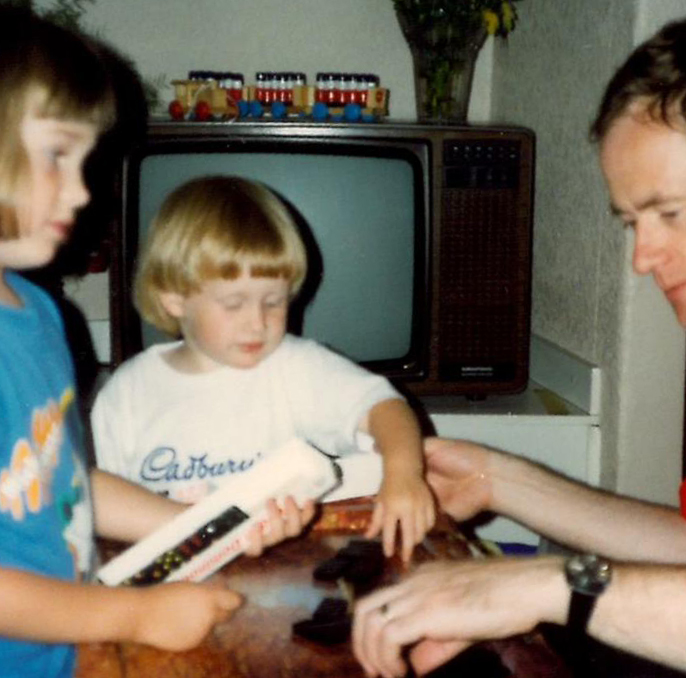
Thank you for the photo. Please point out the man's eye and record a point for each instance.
(625, 219)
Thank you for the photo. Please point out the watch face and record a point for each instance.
(588, 574)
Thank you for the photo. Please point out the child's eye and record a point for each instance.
(232, 303)
(54, 154)
(275, 302)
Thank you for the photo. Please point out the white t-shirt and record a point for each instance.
(180, 434)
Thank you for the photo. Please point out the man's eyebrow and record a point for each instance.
(652, 201)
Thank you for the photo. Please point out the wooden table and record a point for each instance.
(257, 641)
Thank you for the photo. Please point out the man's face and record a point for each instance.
(644, 163)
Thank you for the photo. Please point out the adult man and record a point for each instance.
(441, 610)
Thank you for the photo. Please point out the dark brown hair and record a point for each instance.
(655, 73)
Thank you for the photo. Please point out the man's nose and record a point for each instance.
(648, 247)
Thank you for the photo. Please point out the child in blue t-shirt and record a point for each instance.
(55, 99)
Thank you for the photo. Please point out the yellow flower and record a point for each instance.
(509, 16)
(491, 21)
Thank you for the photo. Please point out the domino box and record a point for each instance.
(211, 533)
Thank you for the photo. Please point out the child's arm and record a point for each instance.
(128, 512)
(404, 496)
(169, 616)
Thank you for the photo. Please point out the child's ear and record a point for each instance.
(172, 302)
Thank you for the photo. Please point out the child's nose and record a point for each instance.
(76, 192)
(256, 318)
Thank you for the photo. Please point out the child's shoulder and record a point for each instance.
(310, 351)
(293, 345)
(30, 291)
(291, 342)
(38, 303)
(148, 361)
(133, 383)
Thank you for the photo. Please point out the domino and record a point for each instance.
(211, 533)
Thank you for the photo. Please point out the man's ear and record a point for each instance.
(173, 303)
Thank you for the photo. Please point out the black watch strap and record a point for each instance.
(588, 576)
(580, 610)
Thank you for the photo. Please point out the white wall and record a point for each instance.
(548, 76)
(551, 77)
(167, 38)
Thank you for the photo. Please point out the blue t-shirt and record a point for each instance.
(45, 509)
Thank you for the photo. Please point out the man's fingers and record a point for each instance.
(430, 654)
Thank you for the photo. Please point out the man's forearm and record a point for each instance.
(644, 612)
(583, 517)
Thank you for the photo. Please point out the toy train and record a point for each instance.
(214, 96)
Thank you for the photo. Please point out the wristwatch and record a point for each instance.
(588, 576)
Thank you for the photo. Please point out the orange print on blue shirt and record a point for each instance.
(25, 485)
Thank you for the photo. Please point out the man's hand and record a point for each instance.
(459, 474)
(445, 607)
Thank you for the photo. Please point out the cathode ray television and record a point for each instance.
(419, 239)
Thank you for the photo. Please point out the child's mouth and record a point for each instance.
(254, 347)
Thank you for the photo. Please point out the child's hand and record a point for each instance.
(283, 524)
(178, 616)
(405, 501)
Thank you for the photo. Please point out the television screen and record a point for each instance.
(420, 239)
(364, 214)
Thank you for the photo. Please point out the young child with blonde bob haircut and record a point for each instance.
(221, 265)
(55, 100)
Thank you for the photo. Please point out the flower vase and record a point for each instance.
(444, 52)
(443, 86)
